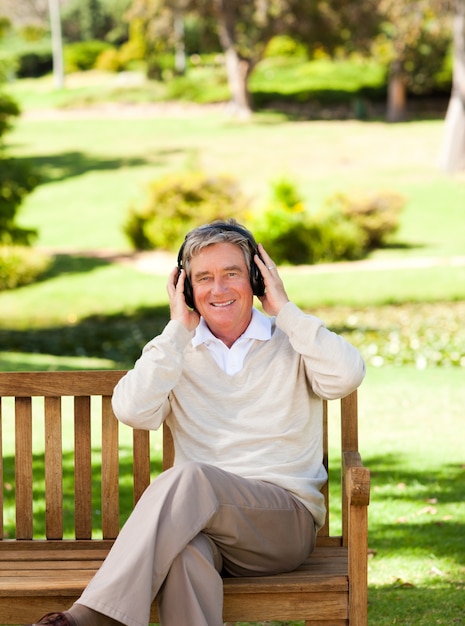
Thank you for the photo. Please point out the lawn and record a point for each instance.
(404, 308)
(96, 163)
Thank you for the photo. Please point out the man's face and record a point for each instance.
(222, 290)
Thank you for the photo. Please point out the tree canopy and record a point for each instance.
(245, 28)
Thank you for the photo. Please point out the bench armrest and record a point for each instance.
(356, 479)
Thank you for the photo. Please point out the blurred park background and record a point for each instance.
(335, 131)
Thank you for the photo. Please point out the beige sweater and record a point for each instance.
(264, 422)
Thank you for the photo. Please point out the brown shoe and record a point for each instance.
(56, 619)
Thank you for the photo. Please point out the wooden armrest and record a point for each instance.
(356, 479)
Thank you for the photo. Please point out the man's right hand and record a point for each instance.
(178, 308)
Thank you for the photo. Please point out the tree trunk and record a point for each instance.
(397, 98)
(452, 154)
(57, 44)
(238, 68)
(179, 45)
(238, 73)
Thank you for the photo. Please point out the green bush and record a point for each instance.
(332, 237)
(292, 235)
(109, 61)
(83, 55)
(16, 181)
(205, 84)
(8, 110)
(285, 46)
(177, 203)
(376, 214)
(33, 64)
(8, 66)
(119, 59)
(297, 238)
(21, 266)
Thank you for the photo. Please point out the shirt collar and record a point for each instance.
(259, 328)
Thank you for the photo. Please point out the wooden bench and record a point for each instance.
(40, 571)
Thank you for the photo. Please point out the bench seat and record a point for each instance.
(52, 574)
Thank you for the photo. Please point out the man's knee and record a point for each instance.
(202, 548)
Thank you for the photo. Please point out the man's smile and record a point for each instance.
(220, 304)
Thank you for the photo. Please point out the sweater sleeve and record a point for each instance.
(334, 367)
(141, 397)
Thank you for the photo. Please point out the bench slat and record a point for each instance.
(1, 471)
(23, 468)
(141, 461)
(82, 468)
(110, 471)
(53, 468)
(78, 383)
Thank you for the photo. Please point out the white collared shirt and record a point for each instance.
(231, 359)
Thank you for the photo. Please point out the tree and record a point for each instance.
(16, 178)
(413, 41)
(452, 155)
(245, 28)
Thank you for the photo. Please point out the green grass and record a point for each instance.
(412, 440)
(95, 168)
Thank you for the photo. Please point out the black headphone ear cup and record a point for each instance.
(188, 293)
(256, 278)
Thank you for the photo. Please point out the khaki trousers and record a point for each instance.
(193, 522)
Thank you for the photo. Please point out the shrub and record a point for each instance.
(83, 55)
(119, 59)
(109, 61)
(8, 65)
(285, 46)
(292, 235)
(377, 214)
(8, 110)
(296, 237)
(21, 266)
(332, 237)
(16, 181)
(177, 203)
(34, 64)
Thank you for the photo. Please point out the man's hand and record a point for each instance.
(275, 294)
(178, 308)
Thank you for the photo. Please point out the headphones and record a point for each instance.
(256, 279)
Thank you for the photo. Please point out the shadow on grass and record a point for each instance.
(73, 264)
(57, 167)
(422, 501)
(422, 533)
(119, 337)
(125, 491)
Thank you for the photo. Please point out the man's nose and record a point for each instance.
(219, 285)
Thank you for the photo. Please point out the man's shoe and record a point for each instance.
(56, 619)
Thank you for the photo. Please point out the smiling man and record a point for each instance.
(242, 392)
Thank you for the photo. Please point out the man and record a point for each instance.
(242, 393)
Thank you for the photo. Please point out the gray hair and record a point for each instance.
(221, 231)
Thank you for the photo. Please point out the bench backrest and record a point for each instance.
(28, 399)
